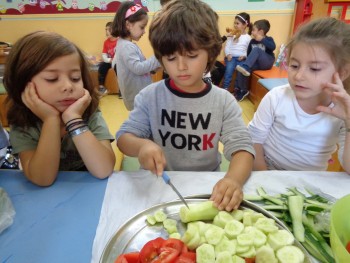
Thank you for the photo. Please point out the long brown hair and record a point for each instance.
(29, 56)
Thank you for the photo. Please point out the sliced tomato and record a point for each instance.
(249, 260)
(132, 257)
(151, 250)
(174, 243)
(167, 255)
(186, 257)
(348, 246)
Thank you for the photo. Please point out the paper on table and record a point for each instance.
(129, 193)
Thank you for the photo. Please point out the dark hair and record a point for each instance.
(244, 18)
(263, 25)
(186, 25)
(109, 24)
(28, 57)
(329, 33)
(119, 23)
(163, 2)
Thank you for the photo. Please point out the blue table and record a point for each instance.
(52, 224)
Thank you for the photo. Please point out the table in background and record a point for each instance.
(52, 224)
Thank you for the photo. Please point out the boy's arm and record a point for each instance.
(150, 155)
(269, 43)
(228, 192)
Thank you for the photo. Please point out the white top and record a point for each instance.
(293, 139)
(239, 48)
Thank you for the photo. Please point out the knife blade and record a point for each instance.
(166, 179)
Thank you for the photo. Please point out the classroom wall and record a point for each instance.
(87, 30)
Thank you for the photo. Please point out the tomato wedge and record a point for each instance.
(249, 260)
(348, 246)
(132, 257)
(174, 243)
(166, 255)
(186, 257)
(151, 250)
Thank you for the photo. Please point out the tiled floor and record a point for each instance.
(115, 113)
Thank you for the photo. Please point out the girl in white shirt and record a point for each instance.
(236, 47)
(299, 127)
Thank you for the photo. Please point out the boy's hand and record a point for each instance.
(151, 158)
(229, 57)
(77, 109)
(39, 107)
(227, 194)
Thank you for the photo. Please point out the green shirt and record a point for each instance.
(24, 139)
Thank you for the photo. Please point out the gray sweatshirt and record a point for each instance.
(189, 126)
(133, 70)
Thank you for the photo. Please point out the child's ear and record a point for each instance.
(345, 72)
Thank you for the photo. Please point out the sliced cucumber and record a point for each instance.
(280, 238)
(222, 218)
(205, 254)
(214, 234)
(237, 259)
(246, 239)
(237, 214)
(240, 249)
(170, 225)
(175, 235)
(160, 216)
(265, 254)
(151, 220)
(290, 254)
(233, 228)
(226, 245)
(267, 225)
(250, 253)
(223, 257)
(259, 237)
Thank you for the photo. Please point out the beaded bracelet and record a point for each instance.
(78, 131)
(73, 120)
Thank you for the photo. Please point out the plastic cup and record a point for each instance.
(340, 229)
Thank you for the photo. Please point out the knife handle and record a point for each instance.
(166, 178)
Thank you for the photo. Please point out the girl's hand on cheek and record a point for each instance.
(39, 107)
(77, 109)
(340, 99)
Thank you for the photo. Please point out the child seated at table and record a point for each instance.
(53, 110)
(299, 127)
(260, 56)
(177, 123)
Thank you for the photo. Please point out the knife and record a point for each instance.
(166, 179)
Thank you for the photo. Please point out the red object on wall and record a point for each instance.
(303, 12)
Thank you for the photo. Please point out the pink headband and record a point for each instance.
(132, 10)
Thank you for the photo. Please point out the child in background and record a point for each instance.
(260, 56)
(236, 48)
(107, 56)
(177, 123)
(53, 115)
(133, 68)
(299, 127)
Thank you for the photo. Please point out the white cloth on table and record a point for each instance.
(129, 193)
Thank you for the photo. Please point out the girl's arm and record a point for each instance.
(259, 162)
(132, 59)
(98, 156)
(40, 166)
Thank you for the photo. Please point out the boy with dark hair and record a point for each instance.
(177, 123)
(260, 56)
